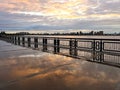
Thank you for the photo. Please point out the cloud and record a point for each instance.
(58, 14)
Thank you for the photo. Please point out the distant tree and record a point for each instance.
(92, 33)
(77, 33)
(2, 33)
(81, 33)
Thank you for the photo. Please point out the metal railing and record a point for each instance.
(105, 51)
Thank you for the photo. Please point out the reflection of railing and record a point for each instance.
(105, 51)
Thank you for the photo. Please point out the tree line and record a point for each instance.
(65, 33)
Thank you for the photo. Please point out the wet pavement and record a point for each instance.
(27, 69)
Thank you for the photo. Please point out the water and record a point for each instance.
(27, 69)
(67, 36)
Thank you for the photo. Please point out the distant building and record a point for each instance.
(22, 33)
(99, 33)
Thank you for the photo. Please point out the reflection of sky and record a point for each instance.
(64, 15)
(41, 71)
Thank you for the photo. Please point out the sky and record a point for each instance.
(59, 15)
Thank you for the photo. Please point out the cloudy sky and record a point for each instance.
(59, 15)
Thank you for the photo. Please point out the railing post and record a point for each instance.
(73, 47)
(101, 51)
(9, 39)
(44, 44)
(98, 54)
(15, 40)
(29, 42)
(35, 42)
(12, 41)
(56, 45)
(93, 46)
(18, 40)
(23, 41)
(70, 44)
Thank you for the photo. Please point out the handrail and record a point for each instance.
(101, 50)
